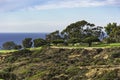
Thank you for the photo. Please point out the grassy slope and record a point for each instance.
(62, 64)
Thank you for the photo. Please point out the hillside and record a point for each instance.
(61, 64)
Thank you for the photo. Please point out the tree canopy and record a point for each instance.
(113, 30)
(27, 43)
(76, 32)
(39, 42)
(80, 31)
(9, 45)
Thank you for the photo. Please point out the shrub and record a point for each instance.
(115, 55)
(9, 45)
(111, 75)
(57, 41)
(7, 76)
(74, 40)
(27, 43)
(72, 71)
(18, 47)
(11, 59)
(24, 52)
(110, 40)
(39, 42)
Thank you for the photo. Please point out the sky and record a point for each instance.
(50, 15)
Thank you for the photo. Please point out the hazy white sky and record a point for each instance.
(51, 15)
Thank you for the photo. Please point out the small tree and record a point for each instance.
(27, 43)
(91, 39)
(9, 45)
(39, 42)
(53, 36)
(18, 47)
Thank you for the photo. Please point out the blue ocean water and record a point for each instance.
(18, 37)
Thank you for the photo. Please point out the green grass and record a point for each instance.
(94, 45)
(8, 51)
(37, 48)
(100, 45)
(107, 45)
(115, 44)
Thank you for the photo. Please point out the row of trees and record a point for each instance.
(81, 31)
(26, 43)
(85, 32)
(78, 32)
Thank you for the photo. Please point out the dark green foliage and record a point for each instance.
(72, 71)
(27, 43)
(116, 55)
(91, 39)
(113, 31)
(110, 40)
(6, 73)
(74, 40)
(111, 75)
(59, 41)
(18, 47)
(9, 45)
(24, 52)
(53, 36)
(99, 50)
(7, 76)
(109, 28)
(11, 59)
(76, 32)
(18, 54)
(39, 42)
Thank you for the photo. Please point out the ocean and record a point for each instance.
(18, 37)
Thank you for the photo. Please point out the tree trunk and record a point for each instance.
(90, 44)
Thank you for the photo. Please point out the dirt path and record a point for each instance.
(88, 48)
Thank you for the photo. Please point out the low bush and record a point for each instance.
(116, 55)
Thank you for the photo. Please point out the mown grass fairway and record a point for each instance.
(107, 45)
(81, 46)
(37, 48)
(8, 51)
